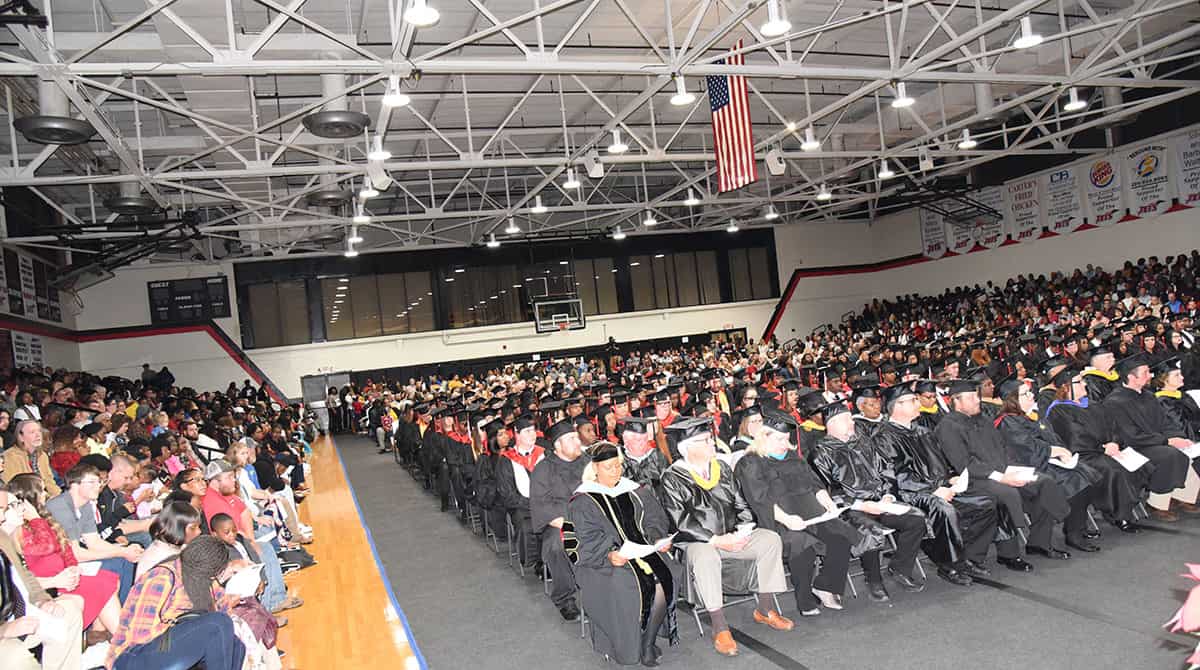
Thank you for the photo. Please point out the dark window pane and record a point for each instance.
(640, 279)
(710, 282)
(685, 276)
(663, 294)
(740, 274)
(394, 303)
(293, 303)
(760, 275)
(419, 290)
(586, 277)
(606, 285)
(335, 304)
(365, 299)
(264, 315)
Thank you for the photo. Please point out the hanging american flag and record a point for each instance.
(732, 136)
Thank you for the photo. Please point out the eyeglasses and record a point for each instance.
(94, 481)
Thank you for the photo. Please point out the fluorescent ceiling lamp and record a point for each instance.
(1028, 38)
(967, 142)
(1074, 103)
(459, 270)
(421, 15)
(571, 182)
(512, 228)
(360, 216)
(378, 153)
(367, 191)
(901, 100)
(823, 194)
(692, 200)
(354, 238)
(810, 143)
(618, 234)
(649, 221)
(771, 214)
(394, 97)
(732, 227)
(617, 146)
(885, 172)
(492, 242)
(775, 25)
(350, 252)
(682, 95)
(538, 207)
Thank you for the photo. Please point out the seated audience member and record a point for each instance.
(1033, 443)
(1139, 422)
(784, 493)
(154, 632)
(49, 557)
(970, 442)
(27, 456)
(65, 449)
(19, 638)
(714, 523)
(177, 524)
(512, 485)
(1182, 412)
(118, 523)
(858, 475)
(75, 510)
(642, 461)
(629, 601)
(189, 486)
(963, 524)
(551, 486)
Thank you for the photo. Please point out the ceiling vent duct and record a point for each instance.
(331, 193)
(1113, 100)
(335, 121)
(985, 101)
(54, 124)
(131, 201)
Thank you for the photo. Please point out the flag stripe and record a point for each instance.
(733, 139)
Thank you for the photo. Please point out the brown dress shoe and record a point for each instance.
(96, 637)
(774, 620)
(1164, 515)
(1185, 507)
(724, 644)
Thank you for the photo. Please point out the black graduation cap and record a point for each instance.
(492, 427)
(579, 420)
(1007, 386)
(1165, 366)
(522, 422)
(810, 403)
(780, 422)
(957, 386)
(1130, 363)
(1056, 339)
(1064, 376)
(645, 411)
(1027, 338)
(742, 414)
(1051, 363)
(912, 369)
(1104, 347)
(637, 424)
(604, 451)
(894, 393)
(712, 373)
(551, 405)
(926, 386)
(619, 395)
(421, 409)
(558, 430)
(833, 409)
(689, 428)
(867, 391)
(662, 396)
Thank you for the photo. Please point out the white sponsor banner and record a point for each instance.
(960, 235)
(933, 233)
(1148, 180)
(1187, 167)
(1060, 195)
(989, 230)
(1022, 210)
(28, 289)
(1103, 196)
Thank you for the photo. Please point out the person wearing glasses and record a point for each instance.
(75, 510)
(1032, 442)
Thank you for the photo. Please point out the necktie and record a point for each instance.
(10, 587)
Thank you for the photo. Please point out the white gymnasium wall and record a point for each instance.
(123, 301)
(824, 299)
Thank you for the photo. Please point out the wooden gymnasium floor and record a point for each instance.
(349, 619)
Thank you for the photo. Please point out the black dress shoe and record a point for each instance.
(1091, 534)
(1048, 553)
(953, 576)
(974, 569)
(1082, 544)
(569, 612)
(878, 593)
(1017, 564)
(1127, 526)
(907, 583)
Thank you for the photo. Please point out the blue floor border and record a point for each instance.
(387, 583)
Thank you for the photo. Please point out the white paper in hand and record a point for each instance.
(244, 583)
(1021, 472)
(632, 550)
(49, 627)
(893, 508)
(837, 511)
(1068, 464)
(89, 568)
(1131, 459)
(1193, 451)
(961, 484)
(744, 530)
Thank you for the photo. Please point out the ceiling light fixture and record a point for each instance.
(421, 15)
(771, 214)
(350, 252)
(682, 95)
(967, 142)
(368, 190)
(617, 146)
(354, 238)
(459, 270)
(618, 234)
(378, 153)
(902, 100)
(394, 97)
(1028, 38)
(810, 143)
(649, 221)
(360, 215)
(775, 25)
(538, 207)
(492, 242)
(823, 194)
(885, 172)
(732, 227)
(512, 228)
(1074, 102)
(571, 181)
(692, 200)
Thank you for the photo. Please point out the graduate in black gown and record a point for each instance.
(969, 441)
(931, 412)
(513, 471)
(629, 602)
(551, 486)
(962, 525)
(643, 462)
(1183, 414)
(1099, 377)
(1032, 443)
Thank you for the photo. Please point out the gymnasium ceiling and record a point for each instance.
(198, 106)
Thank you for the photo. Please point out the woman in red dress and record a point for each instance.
(49, 557)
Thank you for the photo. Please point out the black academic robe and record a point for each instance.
(617, 599)
(647, 471)
(1138, 421)
(551, 487)
(1181, 412)
(930, 418)
(1029, 443)
(1098, 384)
(965, 521)
(866, 428)
(1085, 431)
